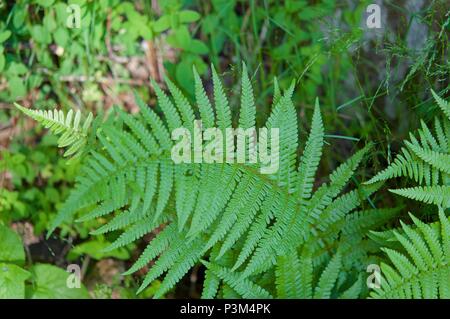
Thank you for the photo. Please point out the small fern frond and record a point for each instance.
(288, 277)
(172, 116)
(73, 133)
(204, 105)
(247, 117)
(223, 111)
(436, 159)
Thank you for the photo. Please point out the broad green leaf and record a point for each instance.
(17, 68)
(16, 87)
(197, 47)
(12, 281)
(40, 34)
(4, 35)
(20, 13)
(11, 248)
(162, 24)
(188, 16)
(49, 23)
(50, 282)
(61, 37)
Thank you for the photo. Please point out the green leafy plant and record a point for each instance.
(426, 160)
(40, 50)
(245, 221)
(39, 180)
(420, 265)
(69, 126)
(297, 233)
(422, 268)
(35, 282)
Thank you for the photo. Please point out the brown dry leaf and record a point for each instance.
(26, 231)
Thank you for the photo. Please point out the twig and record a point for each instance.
(106, 80)
(111, 53)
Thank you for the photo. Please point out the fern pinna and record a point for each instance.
(257, 235)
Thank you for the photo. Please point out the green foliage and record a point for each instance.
(38, 281)
(297, 233)
(132, 177)
(40, 181)
(426, 160)
(422, 268)
(73, 133)
(50, 282)
(40, 48)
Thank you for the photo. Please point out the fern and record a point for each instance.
(207, 207)
(296, 278)
(426, 160)
(73, 133)
(438, 195)
(422, 268)
(276, 235)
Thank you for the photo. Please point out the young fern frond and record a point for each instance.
(73, 133)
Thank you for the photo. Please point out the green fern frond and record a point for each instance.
(204, 105)
(425, 159)
(298, 278)
(288, 277)
(328, 278)
(435, 159)
(241, 220)
(222, 107)
(247, 116)
(311, 157)
(73, 133)
(422, 270)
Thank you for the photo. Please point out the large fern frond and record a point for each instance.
(238, 219)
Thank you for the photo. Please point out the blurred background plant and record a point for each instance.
(373, 84)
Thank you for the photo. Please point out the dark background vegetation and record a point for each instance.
(373, 85)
